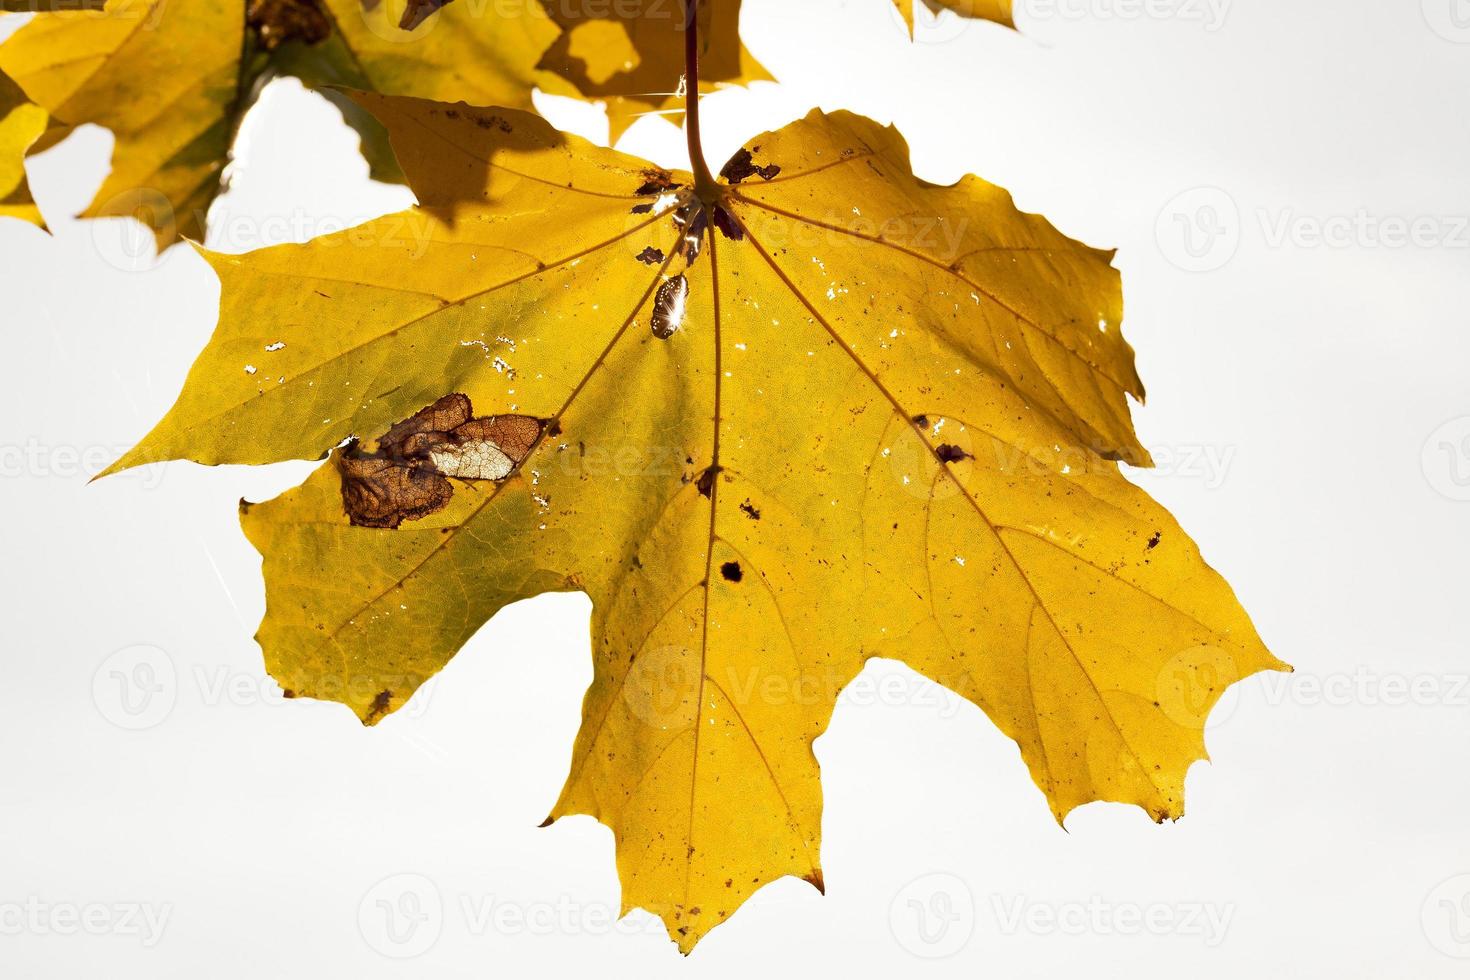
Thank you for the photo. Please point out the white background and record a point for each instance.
(1308, 405)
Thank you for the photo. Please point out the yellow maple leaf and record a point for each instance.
(21, 123)
(825, 412)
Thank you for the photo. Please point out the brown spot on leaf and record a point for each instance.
(742, 165)
(650, 255)
(922, 421)
(276, 22)
(732, 572)
(415, 12)
(379, 707)
(1153, 542)
(384, 493)
(750, 510)
(407, 478)
(950, 453)
(655, 182)
(691, 222)
(492, 122)
(707, 481)
(727, 224)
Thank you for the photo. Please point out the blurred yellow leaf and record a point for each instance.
(634, 61)
(998, 11)
(831, 412)
(173, 79)
(21, 124)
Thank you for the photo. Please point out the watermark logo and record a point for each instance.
(144, 921)
(1445, 917)
(136, 687)
(1199, 230)
(933, 916)
(34, 459)
(132, 245)
(404, 915)
(1208, 922)
(1185, 682)
(401, 916)
(662, 687)
(1446, 459)
(1195, 687)
(1450, 19)
(1209, 14)
(911, 459)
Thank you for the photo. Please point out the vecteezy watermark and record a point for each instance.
(1207, 922)
(1206, 464)
(1200, 230)
(131, 245)
(1209, 14)
(1445, 917)
(404, 915)
(34, 916)
(49, 461)
(912, 461)
(942, 26)
(936, 915)
(1450, 19)
(136, 687)
(401, 916)
(1445, 459)
(1368, 688)
(139, 686)
(1362, 228)
(1197, 680)
(1195, 687)
(933, 916)
(563, 915)
(663, 683)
